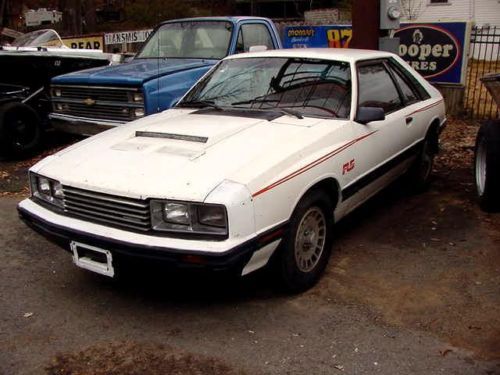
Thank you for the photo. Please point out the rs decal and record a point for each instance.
(347, 167)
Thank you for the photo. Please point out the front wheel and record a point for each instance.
(487, 166)
(306, 248)
(20, 130)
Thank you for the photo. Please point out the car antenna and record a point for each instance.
(158, 65)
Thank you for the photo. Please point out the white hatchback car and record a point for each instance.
(253, 166)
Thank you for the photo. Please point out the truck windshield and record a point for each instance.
(189, 39)
(309, 87)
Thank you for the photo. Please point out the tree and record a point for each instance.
(147, 13)
(411, 8)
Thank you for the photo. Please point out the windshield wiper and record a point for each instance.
(200, 103)
(287, 111)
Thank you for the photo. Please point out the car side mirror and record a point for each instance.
(369, 114)
(257, 48)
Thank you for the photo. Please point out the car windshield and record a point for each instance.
(309, 87)
(189, 39)
(39, 38)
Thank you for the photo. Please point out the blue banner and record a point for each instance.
(333, 36)
(435, 50)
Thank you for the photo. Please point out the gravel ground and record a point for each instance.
(413, 287)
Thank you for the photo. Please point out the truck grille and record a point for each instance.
(97, 103)
(107, 209)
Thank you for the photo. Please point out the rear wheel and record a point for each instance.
(306, 248)
(20, 130)
(487, 166)
(419, 174)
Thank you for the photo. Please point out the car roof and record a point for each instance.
(341, 54)
(234, 19)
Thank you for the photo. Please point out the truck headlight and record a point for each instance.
(189, 217)
(139, 112)
(57, 92)
(47, 190)
(138, 97)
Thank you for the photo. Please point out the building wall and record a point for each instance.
(453, 10)
(487, 12)
(480, 11)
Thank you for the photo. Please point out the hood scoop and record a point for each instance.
(179, 137)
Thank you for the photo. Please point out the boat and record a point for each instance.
(26, 68)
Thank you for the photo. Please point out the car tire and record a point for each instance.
(20, 130)
(487, 166)
(306, 247)
(420, 173)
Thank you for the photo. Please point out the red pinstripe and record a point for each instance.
(328, 156)
(426, 108)
(311, 165)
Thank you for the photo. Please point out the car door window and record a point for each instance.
(410, 79)
(255, 34)
(377, 89)
(409, 94)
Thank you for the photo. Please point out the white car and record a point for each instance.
(253, 167)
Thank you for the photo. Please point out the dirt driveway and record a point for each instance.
(413, 287)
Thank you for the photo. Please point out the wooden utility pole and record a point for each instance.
(365, 24)
(2, 12)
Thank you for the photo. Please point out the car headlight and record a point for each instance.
(47, 190)
(176, 213)
(188, 217)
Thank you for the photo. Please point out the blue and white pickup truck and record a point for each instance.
(174, 57)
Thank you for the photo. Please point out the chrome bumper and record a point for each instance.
(80, 125)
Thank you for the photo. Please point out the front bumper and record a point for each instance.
(233, 258)
(80, 125)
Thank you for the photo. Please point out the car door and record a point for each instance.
(378, 155)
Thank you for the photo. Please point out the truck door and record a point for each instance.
(255, 34)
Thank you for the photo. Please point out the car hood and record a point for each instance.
(134, 73)
(178, 154)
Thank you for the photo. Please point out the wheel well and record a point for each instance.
(433, 135)
(330, 187)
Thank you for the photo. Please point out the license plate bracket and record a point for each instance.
(93, 258)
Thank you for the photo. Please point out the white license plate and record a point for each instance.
(93, 258)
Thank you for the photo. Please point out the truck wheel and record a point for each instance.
(487, 166)
(20, 130)
(419, 174)
(306, 248)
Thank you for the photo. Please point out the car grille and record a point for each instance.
(96, 103)
(99, 112)
(107, 209)
(96, 93)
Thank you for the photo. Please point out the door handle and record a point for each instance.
(409, 120)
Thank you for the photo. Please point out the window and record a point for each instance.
(311, 87)
(189, 39)
(422, 93)
(409, 94)
(376, 88)
(438, 2)
(255, 34)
